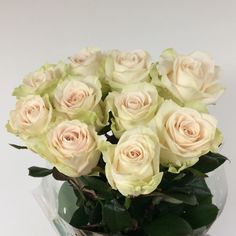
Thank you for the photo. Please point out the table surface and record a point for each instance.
(35, 32)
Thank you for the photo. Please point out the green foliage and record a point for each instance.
(168, 225)
(115, 216)
(209, 162)
(189, 199)
(35, 171)
(181, 206)
(79, 217)
(18, 146)
(101, 188)
(201, 215)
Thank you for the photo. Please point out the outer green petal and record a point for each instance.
(40, 146)
(55, 71)
(107, 150)
(217, 141)
(197, 105)
(155, 77)
(131, 186)
(169, 54)
(175, 162)
(22, 91)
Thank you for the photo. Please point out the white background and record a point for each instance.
(35, 32)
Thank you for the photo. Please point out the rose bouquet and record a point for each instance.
(131, 139)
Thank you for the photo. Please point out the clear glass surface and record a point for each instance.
(47, 197)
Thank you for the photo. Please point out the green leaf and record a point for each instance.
(201, 215)
(79, 218)
(157, 200)
(170, 180)
(179, 176)
(196, 172)
(115, 216)
(165, 208)
(189, 199)
(94, 211)
(98, 185)
(67, 200)
(169, 225)
(205, 200)
(166, 198)
(18, 146)
(35, 171)
(175, 198)
(200, 231)
(191, 185)
(199, 187)
(209, 162)
(138, 208)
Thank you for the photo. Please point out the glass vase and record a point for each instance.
(47, 197)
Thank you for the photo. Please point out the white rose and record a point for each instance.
(190, 77)
(36, 79)
(76, 94)
(132, 166)
(123, 68)
(87, 62)
(135, 105)
(185, 135)
(31, 116)
(71, 146)
(41, 80)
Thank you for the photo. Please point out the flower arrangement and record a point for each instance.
(132, 139)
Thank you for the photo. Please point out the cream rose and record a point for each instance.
(42, 80)
(87, 62)
(135, 105)
(123, 68)
(132, 166)
(31, 116)
(79, 97)
(190, 77)
(71, 146)
(185, 135)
